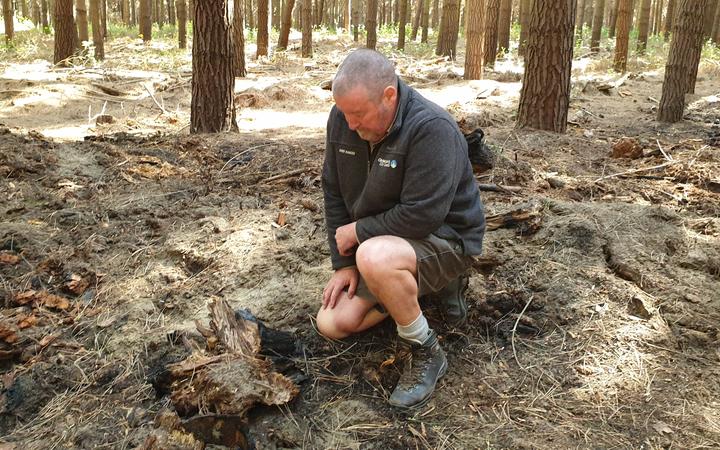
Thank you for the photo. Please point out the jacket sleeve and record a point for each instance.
(336, 213)
(432, 173)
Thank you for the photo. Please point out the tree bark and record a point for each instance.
(355, 7)
(684, 48)
(307, 29)
(644, 22)
(171, 12)
(98, 38)
(401, 24)
(239, 39)
(716, 27)
(286, 23)
(425, 21)
(44, 18)
(524, 19)
(125, 12)
(66, 37)
(103, 18)
(212, 107)
(670, 18)
(435, 14)
(146, 20)
(475, 39)
(545, 94)
(624, 18)
(275, 11)
(8, 19)
(447, 38)
(709, 17)
(504, 23)
(597, 26)
(416, 20)
(579, 19)
(492, 12)
(262, 28)
(613, 18)
(181, 8)
(371, 24)
(82, 20)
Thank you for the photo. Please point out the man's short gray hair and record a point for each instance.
(367, 68)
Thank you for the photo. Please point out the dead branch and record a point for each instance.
(500, 188)
(642, 169)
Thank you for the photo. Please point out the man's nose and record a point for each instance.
(353, 124)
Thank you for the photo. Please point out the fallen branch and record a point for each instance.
(499, 188)
(514, 329)
(282, 176)
(642, 169)
(154, 99)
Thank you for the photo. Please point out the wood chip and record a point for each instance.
(9, 258)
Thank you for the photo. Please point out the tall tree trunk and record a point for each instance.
(286, 23)
(685, 45)
(275, 6)
(669, 19)
(82, 20)
(250, 14)
(435, 21)
(262, 28)
(709, 16)
(171, 12)
(98, 38)
(416, 20)
(103, 18)
(355, 6)
(146, 20)
(597, 26)
(545, 94)
(23, 9)
(345, 15)
(425, 21)
(491, 32)
(475, 39)
(579, 22)
(161, 13)
(624, 19)
(36, 12)
(644, 22)
(447, 38)
(212, 108)
(401, 24)
(716, 27)
(66, 37)
(181, 8)
(125, 12)
(504, 23)
(8, 18)
(371, 24)
(307, 29)
(133, 13)
(657, 17)
(524, 19)
(44, 18)
(613, 18)
(239, 39)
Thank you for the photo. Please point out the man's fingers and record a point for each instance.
(333, 298)
(352, 287)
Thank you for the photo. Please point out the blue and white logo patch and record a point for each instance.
(391, 163)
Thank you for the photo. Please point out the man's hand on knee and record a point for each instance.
(342, 278)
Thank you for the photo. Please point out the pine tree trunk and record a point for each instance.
(82, 20)
(475, 39)
(36, 12)
(250, 14)
(657, 17)
(125, 12)
(416, 20)
(492, 12)
(425, 21)
(171, 12)
(579, 18)
(238, 30)
(345, 15)
(709, 16)
(644, 22)
(449, 24)
(504, 23)
(307, 29)
(66, 37)
(181, 8)
(613, 18)
(597, 26)
(44, 18)
(355, 7)
(684, 51)
(435, 14)
(669, 18)
(716, 27)
(371, 24)
(624, 19)
(212, 107)
(133, 13)
(145, 20)
(262, 28)
(545, 94)
(103, 18)
(98, 39)
(23, 9)
(275, 14)
(8, 19)
(401, 24)
(286, 23)
(161, 13)
(524, 16)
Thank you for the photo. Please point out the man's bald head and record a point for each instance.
(365, 68)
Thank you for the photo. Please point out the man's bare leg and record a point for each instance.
(349, 316)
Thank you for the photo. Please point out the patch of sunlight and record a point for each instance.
(69, 133)
(269, 119)
(38, 70)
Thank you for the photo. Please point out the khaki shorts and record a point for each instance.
(439, 262)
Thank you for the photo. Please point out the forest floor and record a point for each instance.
(596, 328)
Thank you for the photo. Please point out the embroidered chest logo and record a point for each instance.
(391, 163)
(345, 151)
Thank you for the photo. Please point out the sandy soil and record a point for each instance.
(599, 330)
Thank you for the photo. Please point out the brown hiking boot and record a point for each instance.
(452, 301)
(425, 366)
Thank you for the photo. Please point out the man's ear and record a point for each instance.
(390, 94)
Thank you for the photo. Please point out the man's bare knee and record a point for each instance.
(376, 256)
(332, 325)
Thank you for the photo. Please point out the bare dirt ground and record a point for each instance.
(597, 330)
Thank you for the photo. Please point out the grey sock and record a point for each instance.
(417, 331)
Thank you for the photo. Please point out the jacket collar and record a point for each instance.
(403, 99)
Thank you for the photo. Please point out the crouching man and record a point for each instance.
(403, 215)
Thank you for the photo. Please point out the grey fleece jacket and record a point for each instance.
(416, 182)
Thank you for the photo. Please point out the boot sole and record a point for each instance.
(427, 398)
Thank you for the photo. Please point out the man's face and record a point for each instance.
(369, 117)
